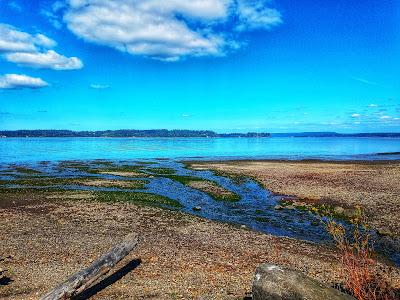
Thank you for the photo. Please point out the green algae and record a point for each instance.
(161, 171)
(25, 170)
(75, 181)
(136, 197)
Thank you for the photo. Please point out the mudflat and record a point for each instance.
(50, 234)
(372, 185)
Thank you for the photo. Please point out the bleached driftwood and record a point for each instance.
(86, 277)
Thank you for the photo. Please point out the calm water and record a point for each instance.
(53, 149)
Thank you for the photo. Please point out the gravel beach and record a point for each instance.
(49, 237)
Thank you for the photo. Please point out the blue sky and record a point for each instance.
(224, 65)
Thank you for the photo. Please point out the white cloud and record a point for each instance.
(355, 115)
(254, 15)
(362, 80)
(167, 30)
(33, 50)
(97, 86)
(51, 13)
(46, 60)
(58, 5)
(372, 105)
(16, 81)
(12, 40)
(386, 117)
(44, 41)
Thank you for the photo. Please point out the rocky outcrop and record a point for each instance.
(272, 282)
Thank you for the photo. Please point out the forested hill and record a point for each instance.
(180, 133)
(126, 133)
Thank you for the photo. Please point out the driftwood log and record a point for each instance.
(86, 277)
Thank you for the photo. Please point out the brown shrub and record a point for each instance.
(364, 278)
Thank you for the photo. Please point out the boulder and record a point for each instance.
(272, 282)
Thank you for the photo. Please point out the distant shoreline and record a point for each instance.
(165, 133)
(199, 137)
(129, 133)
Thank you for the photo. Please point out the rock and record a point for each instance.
(197, 208)
(338, 210)
(272, 282)
(383, 232)
(278, 207)
(350, 212)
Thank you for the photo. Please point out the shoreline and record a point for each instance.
(182, 255)
(342, 159)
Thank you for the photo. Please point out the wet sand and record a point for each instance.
(373, 185)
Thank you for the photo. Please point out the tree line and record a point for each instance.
(127, 133)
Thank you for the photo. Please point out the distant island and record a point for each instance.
(130, 133)
(335, 134)
(165, 133)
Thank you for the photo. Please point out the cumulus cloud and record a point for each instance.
(168, 30)
(12, 40)
(16, 81)
(355, 115)
(33, 50)
(45, 60)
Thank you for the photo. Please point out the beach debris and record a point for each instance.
(278, 283)
(86, 277)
